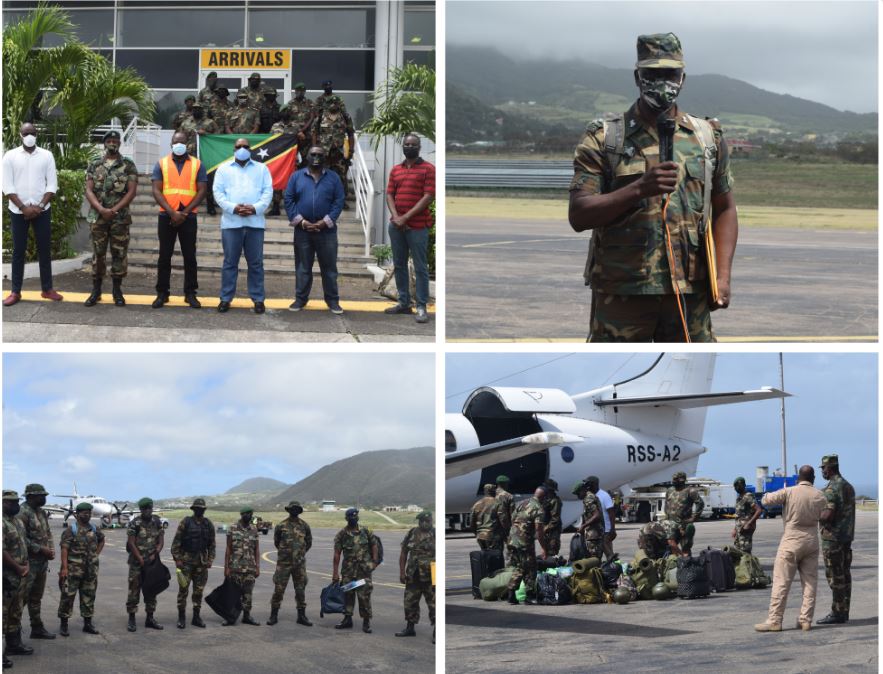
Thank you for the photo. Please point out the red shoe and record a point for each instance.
(11, 299)
(51, 295)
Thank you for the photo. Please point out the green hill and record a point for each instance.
(257, 485)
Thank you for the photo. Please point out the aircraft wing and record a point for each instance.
(688, 401)
(466, 461)
(55, 510)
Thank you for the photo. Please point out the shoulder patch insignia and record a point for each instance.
(594, 125)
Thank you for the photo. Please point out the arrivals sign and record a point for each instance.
(245, 59)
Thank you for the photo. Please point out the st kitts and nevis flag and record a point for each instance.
(278, 152)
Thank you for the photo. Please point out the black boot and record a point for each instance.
(530, 600)
(345, 624)
(512, 597)
(274, 210)
(247, 619)
(151, 622)
(62, 629)
(192, 302)
(274, 616)
(302, 617)
(433, 634)
(832, 619)
(366, 626)
(182, 619)
(7, 663)
(14, 646)
(118, 298)
(196, 621)
(89, 628)
(131, 626)
(408, 631)
(161, 299)
(40, 632)
(92, 300)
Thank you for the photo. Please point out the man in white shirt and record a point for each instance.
(608, 510)
(30, 182)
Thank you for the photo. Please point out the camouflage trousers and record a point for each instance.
(338, 164)
(115, 235)
(35, 586)
(298, 574)
(414, 589)
(490, 544)
(197, 576)
(649, 318)
(13, 597)
(364, 595)
(552, 542)
(743, 541)
(135, 592)
(838, 560)
(244, 580)
(681, 533)
(87, 586)
(525, 562)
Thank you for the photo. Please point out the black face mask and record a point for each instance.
(198, 114)
(411, 152)
(329, 91)
(299, 95)
(199, 512)
(245, 519)
(40, 501)
(316, 161)
(352, 521)
(12, 510)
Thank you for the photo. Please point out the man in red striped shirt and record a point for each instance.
(410, 190)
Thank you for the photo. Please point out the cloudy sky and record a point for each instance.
(822, 51)
(128, 425)
(834, 408)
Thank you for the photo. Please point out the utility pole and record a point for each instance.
(782, 400)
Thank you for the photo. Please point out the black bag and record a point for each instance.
(226, 601)
(611, 571)
(719, 569)
(155, 577)
(578, 549)
(483, 564)
(550, 563)
(553, 590)
(332, 599)
(379, 549)
(692, 578)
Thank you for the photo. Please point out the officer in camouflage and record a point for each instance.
(486, 522)
(418, 552)
(145, 539)
(206, 95)
(837, 526)
(219, 107)
(41, 549)
(302, 114)
(332, 127)
(242, 118)
(358, 548)
(81, 544)
(527, 525)
(193, 549)
(15, 571)
(617, 191)
(653, 540)
(268, 112)
(181, 115)
(683, 506)
(111, 182)
(552, 528)
(285, 125)
(505, 505)
(293, 540)
(747, 513)
(592, 526)
(242, 562)
(324, 99)
(255, 91)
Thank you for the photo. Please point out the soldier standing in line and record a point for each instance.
(837, 529)
(243, 118)
(333, 126)
(186, 113)
(206, 95)
(683, 506)
(747, 512)
(415, 573)
(527, 525)
(145, 539)
(486, 522)
(111, 182)
(81, 544)
(242, 561)
(219, 106)
(193, 550)
(303, 113)
(552, 508)
(284, 126)
(41, 549)
(592, 526)
(505, 504)
(358, 547)
(293, 540)
(15, 570)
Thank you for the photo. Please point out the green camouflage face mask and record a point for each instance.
(659, 94)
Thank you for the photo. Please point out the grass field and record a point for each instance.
(551, 210)
(322, 520)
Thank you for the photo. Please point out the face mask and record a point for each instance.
(29, 141)
(179, 149)
(12, 509)
(112, 148)
(299, 95)
(245, 519)
(198, 114)
(316, 161)
(254, 84)
(41, 501)
(352, 521)
(659, 94)
(329, 90)
(425, 525)
(199, 512)
(411, 152)
(242, 154)
(334, 110)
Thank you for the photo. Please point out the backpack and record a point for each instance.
(644, 576)
(749, 573)
(692, 578)
(379, 548)
(588, 586)
(667, 570)
(577, 549)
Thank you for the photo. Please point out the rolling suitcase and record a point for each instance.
(483, 563)
(719, 569)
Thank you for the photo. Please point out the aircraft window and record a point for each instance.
(450, 442)
(567, 454)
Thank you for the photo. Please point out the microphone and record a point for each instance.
(665, 127)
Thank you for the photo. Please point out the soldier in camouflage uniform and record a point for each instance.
(617, 191)
(193, 550)
(187, 112)
(592, 526)
(747, 512)
(302, 114)
(486, 522)
(41, 549)
(324, 99)
(255, 91)
(198, 125)
(269, 110)
(15, 570)
(332, 127)
(220, 107)
(683, 505)
(206, 95)
(293, 540)
(358, 548)
(505, 505)
(81, 544)
(552, 528)
(145, 540)
(415, 573)
(837, 526)
(242, 563)
(653, 540)
(527, 525)
(111, 182)
(284, 126)
(242, 118)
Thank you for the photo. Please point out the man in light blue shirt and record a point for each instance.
(243, 191)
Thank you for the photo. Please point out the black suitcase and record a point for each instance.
(483, 564)
(692, 578)
(719, 569)
(577, 549)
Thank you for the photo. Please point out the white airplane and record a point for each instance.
(103, 509)
(636, 432)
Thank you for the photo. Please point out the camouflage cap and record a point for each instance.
(10, 495)
(146, 502)
(197, 105)
(111, 134)
(191, 97)
(489, 489)
(578, 487)
(333, 99)
(739, 480)
(270, 91)
(246, 509)
(680, 475)
(223, 91)
(198, 503)
(242, 95)
(661, 50)
(299, 85)
(83, 506)
(35, 490)
(424, 515)
(830, 460)
(294, 504)
(502, 479)
(254, 76)
(211, 74)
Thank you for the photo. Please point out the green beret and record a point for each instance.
(246, 509)
(190, 98)
(270, 91)
(578, 487)
(502, 478)
(83, 506)
(35, 490)
(10, 495)
(300, 85)
(830, 460)
(198, 503)
(739, 480)
(254, 76)
(146, 502)
(424, 515)
(211, 74)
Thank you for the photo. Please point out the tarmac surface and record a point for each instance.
(522, 280)
(284, 647)
(701, 635)
(69, 321)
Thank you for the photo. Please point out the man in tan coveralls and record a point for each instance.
(802, 506)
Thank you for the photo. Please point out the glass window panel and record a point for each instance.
(420, 58)
(357, 105)
(181, 28)
(311, 27)
(178, 68)
(419, 28)
(93, 28)
(167, 104)
(347, 69)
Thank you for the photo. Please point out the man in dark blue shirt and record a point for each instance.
(313, 201)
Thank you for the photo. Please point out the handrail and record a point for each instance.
(363, 187)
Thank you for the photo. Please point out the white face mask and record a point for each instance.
(179, 148)
(29, 141)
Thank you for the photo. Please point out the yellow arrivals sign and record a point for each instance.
(239, 59)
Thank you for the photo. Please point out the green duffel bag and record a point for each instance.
(644, 575)
(749, 573)
(494, 587)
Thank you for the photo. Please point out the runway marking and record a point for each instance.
(503, 243)
(386, 517)
(367, 306)
(577, 340)
(397, 586)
